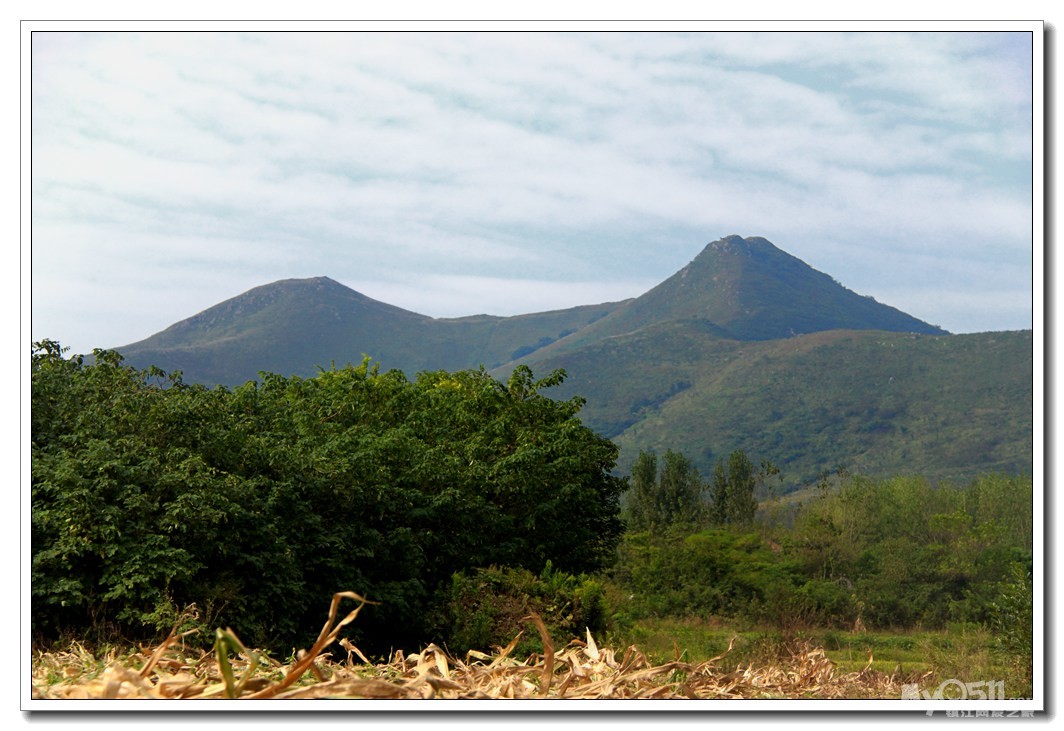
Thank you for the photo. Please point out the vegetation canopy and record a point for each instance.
(150, 494)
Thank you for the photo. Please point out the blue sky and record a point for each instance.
(462, 173)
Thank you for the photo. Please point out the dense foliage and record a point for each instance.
(462, 505)
(259, 502)
(882, 404)
(675, 494)
(490, 607)
(893, 554)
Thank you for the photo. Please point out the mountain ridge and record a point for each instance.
(294, 326)
(744, 347)
(744, 289)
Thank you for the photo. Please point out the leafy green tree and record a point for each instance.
(680, 490)
(915, 552)
(1012, 619)
(673, 495)
(714, 571)
(734, 491)
(642, 494)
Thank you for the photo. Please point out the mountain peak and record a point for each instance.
(726, 242)
(760, 292)
(734, 244)
(750, 289)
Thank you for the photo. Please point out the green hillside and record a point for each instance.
(742, 289)
(880, 403)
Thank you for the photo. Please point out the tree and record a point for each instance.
(680, 489)
(734, 491)
(640, 509)
(673, 495)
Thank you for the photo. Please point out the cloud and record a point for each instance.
(564, 157)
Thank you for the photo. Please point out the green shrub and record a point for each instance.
(721, 571)
(487, 608)
(829, 603)
(1012, 626)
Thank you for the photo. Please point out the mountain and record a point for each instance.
(295, 326)
(748, 289)
(745, 347)
(741, 289)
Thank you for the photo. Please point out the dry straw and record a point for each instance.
(581, 670)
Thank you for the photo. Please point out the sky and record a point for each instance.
(458, 173)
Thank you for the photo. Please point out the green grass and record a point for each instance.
(662, 640)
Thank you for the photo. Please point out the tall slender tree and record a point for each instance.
(734, 491)
(640, 510)
(660, 498)
(679, 490)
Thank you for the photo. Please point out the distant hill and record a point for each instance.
(295, 326)
(881, 403)
(744, 347)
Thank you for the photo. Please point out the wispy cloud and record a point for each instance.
(548, 161)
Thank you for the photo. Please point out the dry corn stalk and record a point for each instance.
(581, 670)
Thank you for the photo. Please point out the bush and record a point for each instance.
(722, 571)
(915, 553)
(1012, 625)
(487, 608)
(829, 604)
